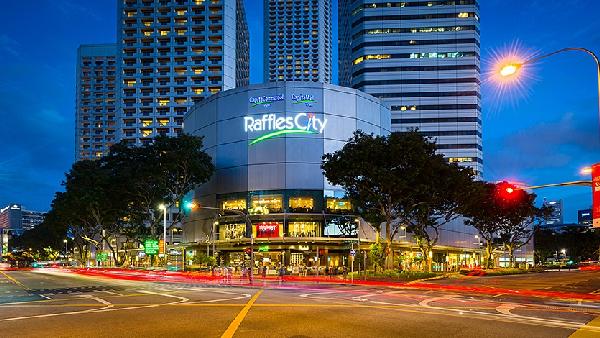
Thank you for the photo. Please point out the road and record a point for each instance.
(63, 304)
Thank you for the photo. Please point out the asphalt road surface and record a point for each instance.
(52, 303)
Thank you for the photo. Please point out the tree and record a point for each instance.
(398, 180)
(503, 211)
(485, 215)
(435, 201)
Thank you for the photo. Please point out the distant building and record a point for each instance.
(584, 217)
(297, 39)
(95, 112)
(13, 217)
(556, 214)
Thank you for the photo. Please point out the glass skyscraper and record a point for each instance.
(297, 39)
(422, 59)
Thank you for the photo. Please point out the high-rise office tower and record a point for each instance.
(171, 54)
(422, 59)
(556, 213)
(297, 38)
(95, 112)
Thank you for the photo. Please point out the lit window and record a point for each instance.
(463, 15)
(181, 12)
(198, 90)
(163, 102)
(336, 205)
(238, 204)
(304, 229)
(146, 123)
(301, 204)
(198, 70)
(460, 159)
(147, 33)
(232, 231)
(267, 204)
(164, 32)
(130, 83)
(146, 132)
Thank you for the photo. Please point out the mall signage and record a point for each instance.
(273, 125)
(265, 100)
(596, 195)
(305, 99)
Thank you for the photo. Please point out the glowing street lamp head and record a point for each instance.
(161, 206)
(586, 171)
(509, 69)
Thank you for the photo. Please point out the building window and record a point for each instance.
(232, 231)
(301, 204)
(336, 205)
(304, 229)
(267, 204)
(146, 132)
(239, 204)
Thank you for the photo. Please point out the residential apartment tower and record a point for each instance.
(95, 112)
(297, 40)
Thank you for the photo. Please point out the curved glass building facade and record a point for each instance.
(267, 143)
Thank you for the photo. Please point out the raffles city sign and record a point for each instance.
(273, 125)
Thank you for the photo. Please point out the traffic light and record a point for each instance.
(508, 192)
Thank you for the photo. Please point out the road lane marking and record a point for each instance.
(14, 281)
(505, 308)
(238, 319)
(590, 329)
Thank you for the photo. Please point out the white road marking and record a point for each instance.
(505, 308)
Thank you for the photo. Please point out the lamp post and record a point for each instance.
(163, 207)
(513, 68)
(66, 250)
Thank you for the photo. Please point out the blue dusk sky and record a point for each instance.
(543, 136)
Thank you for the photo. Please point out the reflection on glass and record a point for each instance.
(304, 229)
(301, 204)
(267, 204)
(335, 205)
(239, 204)
(232, 231)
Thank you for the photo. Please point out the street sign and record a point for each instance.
(151, 246)
(101, 256)
(352, 252)
(263, 248)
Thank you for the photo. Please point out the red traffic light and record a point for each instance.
(248, 251)
(507, 191)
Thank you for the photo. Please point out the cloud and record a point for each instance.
(545, 147)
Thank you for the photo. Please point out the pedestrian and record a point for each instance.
(264, 272)
(345, 272)
(281, 273)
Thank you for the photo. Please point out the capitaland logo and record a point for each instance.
(305, 99)
(264, 101)
(274, 126)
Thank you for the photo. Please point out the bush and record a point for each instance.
(398, 275)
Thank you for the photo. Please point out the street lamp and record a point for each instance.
(512, 69)
(163, 207)
(66, 250)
